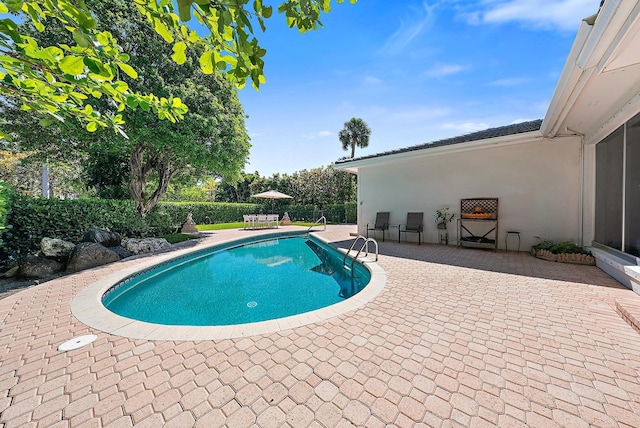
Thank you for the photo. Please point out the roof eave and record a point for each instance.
(503, 141)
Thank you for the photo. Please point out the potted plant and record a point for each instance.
(443, 216)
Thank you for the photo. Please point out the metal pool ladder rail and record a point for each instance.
(364, 245)
(322, 219)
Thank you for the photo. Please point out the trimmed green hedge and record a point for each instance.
(207, 212)
(31, 219)
(223, 212)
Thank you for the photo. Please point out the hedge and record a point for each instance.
(31, 219)
(207, 212)
(223, 212)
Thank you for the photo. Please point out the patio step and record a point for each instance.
(630, 313)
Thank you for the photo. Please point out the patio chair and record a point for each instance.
(248, 221)
(272, 220)
(414, 225)
(382, 223)
(261, 221)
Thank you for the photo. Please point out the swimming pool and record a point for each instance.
(87, 306)
(257, 281)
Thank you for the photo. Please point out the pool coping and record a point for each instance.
(87, 305)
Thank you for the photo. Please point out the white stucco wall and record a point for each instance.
(538, 184)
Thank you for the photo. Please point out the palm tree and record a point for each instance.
(356, 132)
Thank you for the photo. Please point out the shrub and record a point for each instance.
(207, 212)
(31, 219)
(566, 247)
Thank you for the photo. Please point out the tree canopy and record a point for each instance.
(356, 132)
(210, 140)
(56, 81)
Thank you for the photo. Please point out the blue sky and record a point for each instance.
(415, 71)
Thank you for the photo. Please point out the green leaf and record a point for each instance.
(3, 8)
(72, 64)
(81, 39)
(179, 53)
(206, 63)
(163, 31)
(46, 121)
(92, 65)
(92, 126)
(184, 9)
(128, 70)
(14, 5)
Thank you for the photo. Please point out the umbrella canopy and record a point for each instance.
(272, 194)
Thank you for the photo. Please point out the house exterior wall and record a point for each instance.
(538, 184)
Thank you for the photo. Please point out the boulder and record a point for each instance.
(145, 245)
(90, 254)
(38, 267)
(11, 272)
(56, 248)
(121, 252)
(102, 237)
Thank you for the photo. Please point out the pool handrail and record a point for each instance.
(365, 246)
(322, 219)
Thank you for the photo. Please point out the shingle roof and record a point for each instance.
(518, 128)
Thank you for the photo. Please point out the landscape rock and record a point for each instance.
(102, 237)
(145, 245)
(56, 248)
(11, 272)
(121, 252)
(90, 254)
(38, 267)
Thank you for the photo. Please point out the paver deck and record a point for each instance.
(458, 337)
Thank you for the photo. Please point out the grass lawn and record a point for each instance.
(174, 238)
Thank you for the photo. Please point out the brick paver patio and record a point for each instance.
(458, 337)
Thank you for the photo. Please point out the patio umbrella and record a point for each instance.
(272, 194)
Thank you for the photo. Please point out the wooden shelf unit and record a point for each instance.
(481, 230)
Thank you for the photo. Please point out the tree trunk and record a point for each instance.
(140, 171)
(353, 150)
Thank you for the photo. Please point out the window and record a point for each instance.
(617, 216)
(632, 189)
(609, 155)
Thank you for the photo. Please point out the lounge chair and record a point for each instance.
(414, 225)
(382, 223)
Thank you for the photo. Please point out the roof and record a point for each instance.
(502, 131)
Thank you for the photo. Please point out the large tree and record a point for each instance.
(56, 81)
(210, 140)
(356, 132)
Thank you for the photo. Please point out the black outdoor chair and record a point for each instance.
(382, 223)
(414, 225)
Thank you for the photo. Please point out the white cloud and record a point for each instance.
(465, 127)
(565, 15)
(420, 20)
(321, 134)
(512, 81)
(521, 120)
(370, 80)
(442, 70)
(419, 114)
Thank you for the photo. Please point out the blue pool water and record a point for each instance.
(254, 282)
